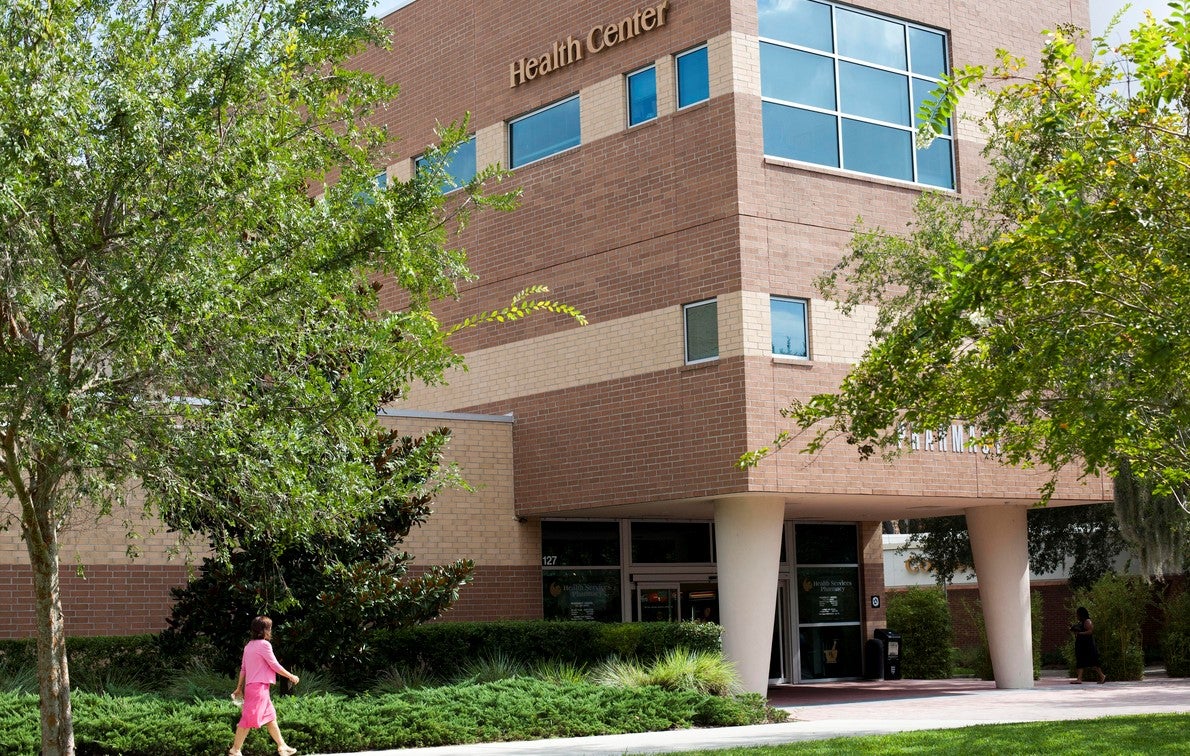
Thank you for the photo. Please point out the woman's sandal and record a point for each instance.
(286, 751)
(234, 753)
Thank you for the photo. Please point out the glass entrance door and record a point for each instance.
(658, 602)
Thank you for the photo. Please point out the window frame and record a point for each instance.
(686, 331)
(841, 116)
(628, 95)
(538, 111)
(805, 303)
(678, 76)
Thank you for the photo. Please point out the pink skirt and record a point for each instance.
(258, 706)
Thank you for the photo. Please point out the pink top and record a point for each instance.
(260, 665)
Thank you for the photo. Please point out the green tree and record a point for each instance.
(327, 593)
(1052, 310)
(1087, 536)
(178, 314)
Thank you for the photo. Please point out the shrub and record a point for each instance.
(1117, 605)
(514, 709)
(446, 647)
(922, 617)
(1175, 636)
(554, 671)
(490, 668)
(404, 677)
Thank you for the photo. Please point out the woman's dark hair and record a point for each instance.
(1082, 613)
(262, 628)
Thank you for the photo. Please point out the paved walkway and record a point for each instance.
(831, 710)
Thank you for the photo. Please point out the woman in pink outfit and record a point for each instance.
(258, 671)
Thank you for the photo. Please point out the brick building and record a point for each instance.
(688, 168)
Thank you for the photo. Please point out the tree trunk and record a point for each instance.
(57, 725)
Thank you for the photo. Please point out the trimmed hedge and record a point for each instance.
(446, 647)
(515, 709)
(443, 648)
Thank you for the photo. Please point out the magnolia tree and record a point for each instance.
(1051, 311)
(187, 305)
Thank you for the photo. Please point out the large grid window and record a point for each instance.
(459, 165)
(544, 132)
(642, 95)
(842, 88)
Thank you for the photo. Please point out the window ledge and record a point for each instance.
(842, 173)
(802, 362)
(701, 364)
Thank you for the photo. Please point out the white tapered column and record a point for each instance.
(1000, 547)
(748, 546)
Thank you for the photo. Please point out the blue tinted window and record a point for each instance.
(546, 132)
(861, 95)
(799, 134)
(799, 22)
(869, 38)
(881, 150)
(642, 96)
(789, 327)
(935, 164)
(873, 93)
(459, 165)
(927, 52)
(796, 76)
(694, 84)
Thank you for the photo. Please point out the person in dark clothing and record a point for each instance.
(1086, 653)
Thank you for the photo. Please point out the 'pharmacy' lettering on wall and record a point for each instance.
(567, 51)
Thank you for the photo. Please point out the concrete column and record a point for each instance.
(748, 546)
(1000, 547)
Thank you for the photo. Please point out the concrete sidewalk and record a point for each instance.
(832, 710)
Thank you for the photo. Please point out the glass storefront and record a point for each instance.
(669, 576)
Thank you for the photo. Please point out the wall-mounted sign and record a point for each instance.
(828, 594)
(572, 49)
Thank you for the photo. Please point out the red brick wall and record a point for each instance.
(499, 593)
(129, 600)
(110, 600)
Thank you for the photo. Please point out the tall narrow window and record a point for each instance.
(642, 95)
(789, 327)
(702, 331)
(544, 132)
(842, 87)
(694, 83)
(459, 165)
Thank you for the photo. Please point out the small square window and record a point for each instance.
(693, 77)
(789, 327)
(642, 95)
(702, 331)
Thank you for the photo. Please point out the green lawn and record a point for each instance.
(1146, 734)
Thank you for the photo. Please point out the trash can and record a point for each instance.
(892, 652)
(873, 659)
